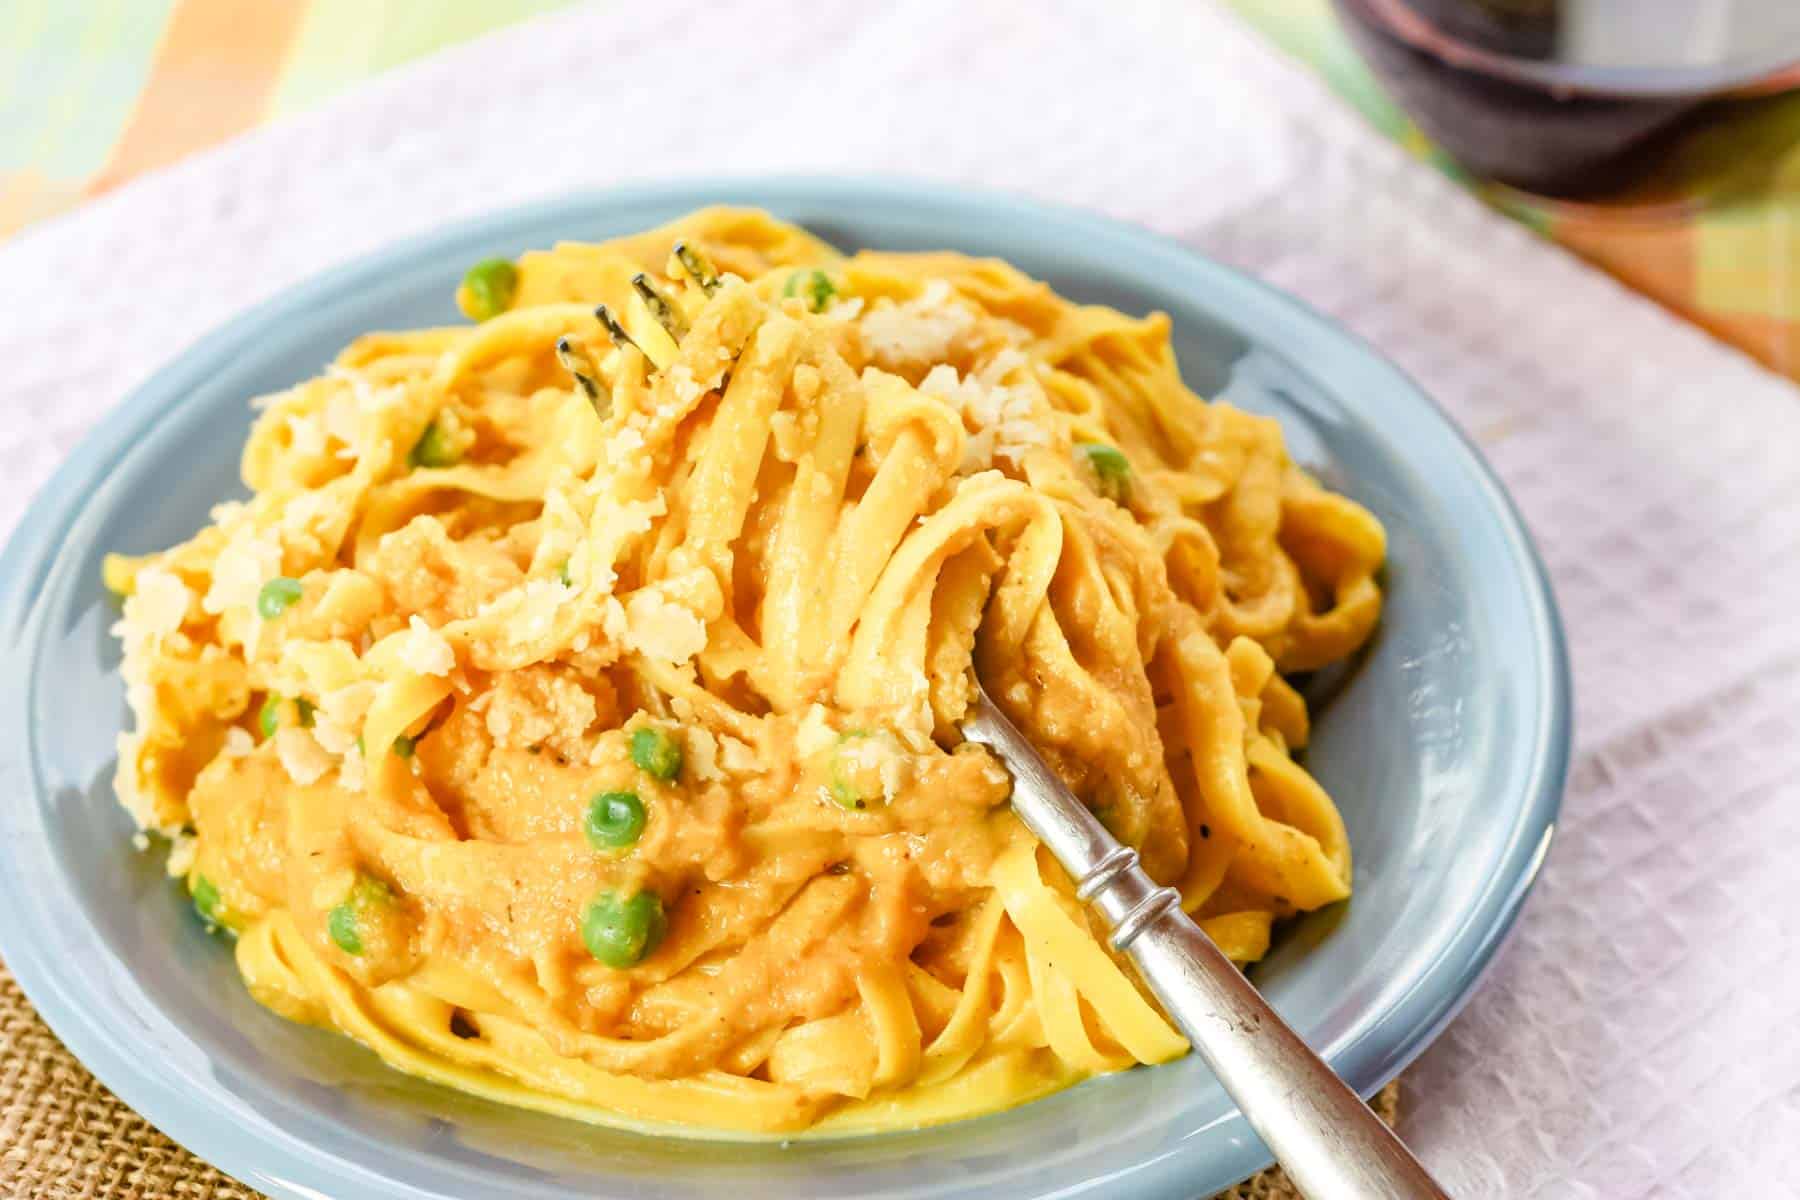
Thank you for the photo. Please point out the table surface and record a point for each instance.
(1635, 1037)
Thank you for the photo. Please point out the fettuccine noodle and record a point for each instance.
(578, 727)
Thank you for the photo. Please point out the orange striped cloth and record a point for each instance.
(97, 92)
(214, 75)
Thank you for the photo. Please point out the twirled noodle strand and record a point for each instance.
(588, 741)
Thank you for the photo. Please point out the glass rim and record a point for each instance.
(1778, 65)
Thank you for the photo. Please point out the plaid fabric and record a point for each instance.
(99, 91)
(1714, 234)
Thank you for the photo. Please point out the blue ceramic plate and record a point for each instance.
(1446, 749)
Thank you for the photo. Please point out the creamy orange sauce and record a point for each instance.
(578, 727)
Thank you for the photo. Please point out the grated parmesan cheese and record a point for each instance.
(688, 390)
(735, 756)
(141, 807)
(925, 329)
(343, 422)
(238, 743)
(626, 442)
(331, 736)
(814, 735)
(251, 558)
(304, 760)
(308, 434)
(537, 603)
(309, 518)
(660, 629)
(358, 382)
(1004, 419)
(346, 706)
(425, 651)
(1015, 333)
(612, 619)
(158, 603)
(630, 518)
(702, 753)
(154, 610)
(368, 397)
(184, 848)
(530, 610)
(879, 755)
(353, 772)
(916, 719)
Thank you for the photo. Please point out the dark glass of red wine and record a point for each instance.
(1568, 97)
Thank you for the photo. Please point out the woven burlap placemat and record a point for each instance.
(63, 1136)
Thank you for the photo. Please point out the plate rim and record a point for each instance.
(1422, 1010)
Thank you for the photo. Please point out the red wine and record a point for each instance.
(1565, 97)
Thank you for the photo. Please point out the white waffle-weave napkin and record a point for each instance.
(1639, 1037)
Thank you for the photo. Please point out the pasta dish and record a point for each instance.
(570, 713)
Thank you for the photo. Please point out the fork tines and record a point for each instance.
(665, 312)
(577, 362)
(695, 263)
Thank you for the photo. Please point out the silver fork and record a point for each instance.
(1326, 1139)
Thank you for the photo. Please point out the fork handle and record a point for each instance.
(1327, 1140)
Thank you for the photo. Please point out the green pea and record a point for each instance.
(404, 746)
(433, 449)
(207, 901)
(562, 574)
(340, 923)
(488, 288)
(656, 753)
(614, 820)
(269, 716)
(344, 922)
(276, 596)
(815, 286)
(846, 796)
(306, 708)
(854, 785)
(1111, 467)
(844, 792)
(621, 931)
